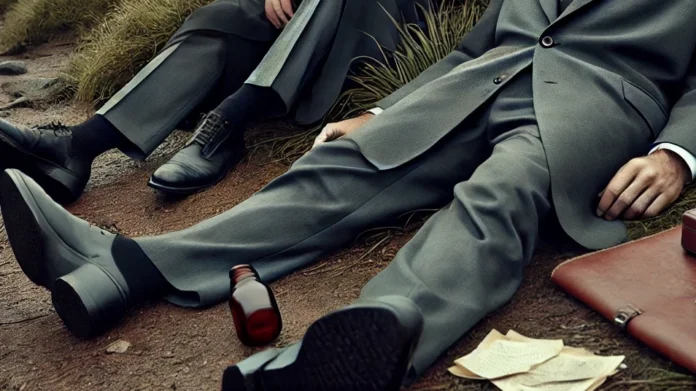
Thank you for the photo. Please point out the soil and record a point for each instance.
(180, 349)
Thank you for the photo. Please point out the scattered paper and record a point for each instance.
(499, 356)
(514, 362)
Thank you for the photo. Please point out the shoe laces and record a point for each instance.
(58, 129)
(206, 130)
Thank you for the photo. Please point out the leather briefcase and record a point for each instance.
(647, 287)
(689, 231)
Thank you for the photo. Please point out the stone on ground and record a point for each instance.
(12, 68)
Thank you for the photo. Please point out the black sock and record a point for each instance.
(249, 103)
(142, 276)
(94, 137)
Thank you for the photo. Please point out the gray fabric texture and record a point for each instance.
(496, 165)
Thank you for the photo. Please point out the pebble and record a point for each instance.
(119, 347)
(12, 68)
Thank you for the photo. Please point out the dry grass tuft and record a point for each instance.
(5, 5)
(132, 34)
(30, 22)
(670, 218)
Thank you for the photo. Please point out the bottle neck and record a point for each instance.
(242, 273)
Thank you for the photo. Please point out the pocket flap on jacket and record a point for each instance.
(647, 106)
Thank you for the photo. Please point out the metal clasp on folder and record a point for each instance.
(625, 314)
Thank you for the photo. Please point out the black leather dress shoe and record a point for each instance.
(64, 254)
(366, 346)
(205, 160)
(45, 153)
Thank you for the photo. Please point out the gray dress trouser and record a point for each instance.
(489, 176)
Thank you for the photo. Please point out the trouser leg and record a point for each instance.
(177, 82)
(468, 259)
(326, 199)
(295, 59)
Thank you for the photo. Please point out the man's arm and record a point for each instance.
(645, 186)
(478, 41)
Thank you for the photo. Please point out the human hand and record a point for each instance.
(644, 186)
(279, 12)
(336, 130)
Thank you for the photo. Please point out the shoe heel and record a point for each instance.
(63, 186)
(88, 301)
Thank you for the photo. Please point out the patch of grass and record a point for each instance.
(30, 22)
(113, 52)
(5, 5)
(670, 218)
(655, 379)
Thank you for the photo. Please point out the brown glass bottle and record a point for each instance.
(254, 308)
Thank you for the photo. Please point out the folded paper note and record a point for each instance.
(514, 362)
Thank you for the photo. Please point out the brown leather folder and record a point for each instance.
(647, 287)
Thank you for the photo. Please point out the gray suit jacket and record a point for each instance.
(619, 76)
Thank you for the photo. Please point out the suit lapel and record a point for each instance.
(572, 8)
(550, 8)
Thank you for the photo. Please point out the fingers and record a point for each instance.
(642, 188)
(329, 133)
(659, 204)
(621, 181)
(287, 8)
(639, 207)
(626, 199)
(272, 15)
(278, 8)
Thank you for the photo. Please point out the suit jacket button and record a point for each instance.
(497, 80)
(547, 42)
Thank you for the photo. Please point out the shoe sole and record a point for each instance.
(62, 185)
(352, 349)
(23, 229)
(187, 191)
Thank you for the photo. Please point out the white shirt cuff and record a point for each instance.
(376, 111)
(688, 158)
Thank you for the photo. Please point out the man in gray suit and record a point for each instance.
(584, 107)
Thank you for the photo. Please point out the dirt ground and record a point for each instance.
(179, 349)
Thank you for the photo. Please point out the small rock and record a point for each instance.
(118, 347)
(34, 88)
(21, 102)
(12, 68)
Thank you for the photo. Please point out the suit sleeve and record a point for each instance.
(478, 41)
(681, 127)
